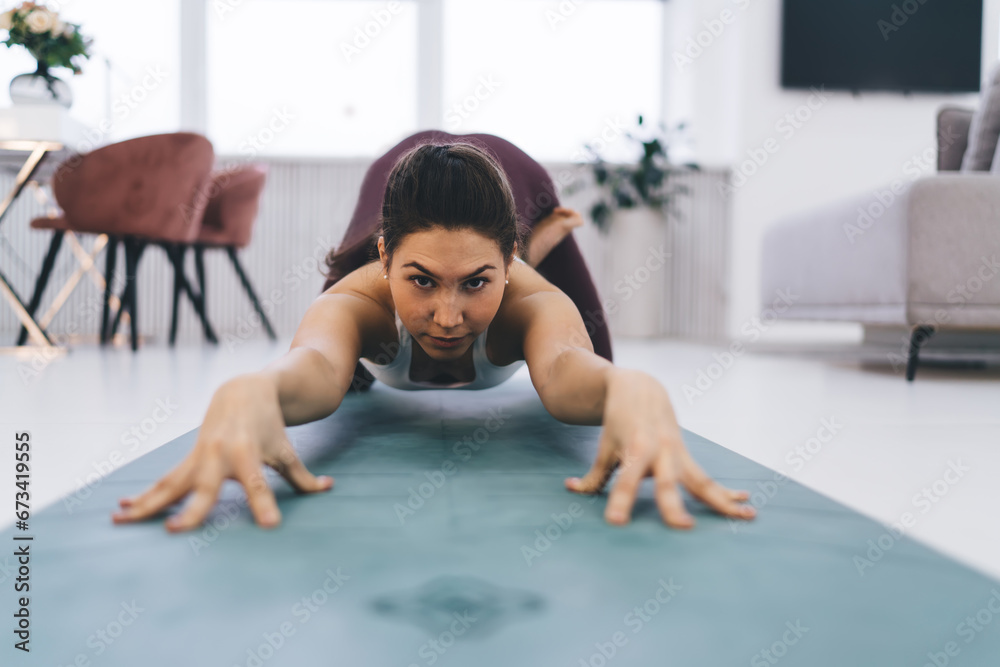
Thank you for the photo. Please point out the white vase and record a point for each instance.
(637, 263)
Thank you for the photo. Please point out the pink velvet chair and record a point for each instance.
(228, 224)
(148, 190)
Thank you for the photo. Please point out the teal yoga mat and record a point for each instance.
(449, 539)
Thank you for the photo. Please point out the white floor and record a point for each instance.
(885, 440)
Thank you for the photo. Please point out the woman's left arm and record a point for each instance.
(640, 433)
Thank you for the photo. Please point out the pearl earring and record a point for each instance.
(506, 282)
(386, 276)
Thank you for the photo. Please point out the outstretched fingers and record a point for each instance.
(599, 474)
(668, 496)
(623, 495)
(168, 490)
(728, 502)
(260, 498)
(290, 466)
(206, 490)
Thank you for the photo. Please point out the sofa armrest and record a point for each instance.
(954, 246)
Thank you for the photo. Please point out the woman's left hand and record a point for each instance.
(640, 433)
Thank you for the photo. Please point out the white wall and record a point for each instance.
(731, 95)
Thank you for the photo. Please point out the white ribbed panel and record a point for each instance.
(305, 209)
(694, 283)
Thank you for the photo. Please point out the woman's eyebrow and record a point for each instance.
(482, 268)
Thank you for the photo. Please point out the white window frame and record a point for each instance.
(430, 66)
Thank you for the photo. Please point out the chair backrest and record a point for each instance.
(233, 205)
(952, 137)
(147, 187)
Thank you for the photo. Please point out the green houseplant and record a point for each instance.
(648, 182)
(634, 200)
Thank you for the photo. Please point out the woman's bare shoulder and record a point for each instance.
(524, 282)
(365, 281)
(515, 313)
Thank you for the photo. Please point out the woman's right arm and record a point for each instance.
(244, 426)
(313, 377)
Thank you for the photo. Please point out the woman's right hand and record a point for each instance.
(243, 428)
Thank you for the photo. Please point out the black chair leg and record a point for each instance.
(231, 251)
(199, 308)
(197, 300)
(42, 281)
(199, 267)
(140, 246)
(133, 253)
(131, 266)
(125, 298)
(919, 336)
(176, 255)
(110, 259)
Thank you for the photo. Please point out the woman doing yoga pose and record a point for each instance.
(447, 303)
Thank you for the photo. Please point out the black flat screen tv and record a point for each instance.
(896, 45)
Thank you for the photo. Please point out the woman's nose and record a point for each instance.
(448, 314)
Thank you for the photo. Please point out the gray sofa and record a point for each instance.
(919, 256)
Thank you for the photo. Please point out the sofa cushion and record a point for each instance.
(985, 128)
(953, 137)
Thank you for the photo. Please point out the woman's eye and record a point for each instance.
(474, 283)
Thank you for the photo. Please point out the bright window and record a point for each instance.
(551, 76)
(311, 77)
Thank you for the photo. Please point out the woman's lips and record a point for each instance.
(447, 342)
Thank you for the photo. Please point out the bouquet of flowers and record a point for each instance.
(52, 41)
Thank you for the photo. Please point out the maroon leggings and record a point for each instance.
(535, 198)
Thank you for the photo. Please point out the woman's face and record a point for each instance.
(447, 286)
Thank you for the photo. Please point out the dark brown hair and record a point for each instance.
(454, 186)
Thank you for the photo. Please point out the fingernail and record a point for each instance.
(616, 516)
(749, 511)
